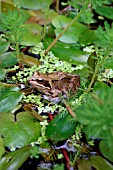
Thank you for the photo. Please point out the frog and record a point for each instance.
(55, 85)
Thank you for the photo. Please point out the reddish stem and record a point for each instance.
(50, 116)
(64, 152)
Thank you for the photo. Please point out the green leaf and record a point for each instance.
(96, 162)
(14, 160)
(2, 148)
(33, 34)
(91, 62)
(100, 163)
(33, 4)
(104, 36)
(108, 63)
(2, 73)
(21, 132)
(84, 164)
(4, 45)
(96, 116)
(29, 61)
(9, 98)
(72, 34)
(60, 128)
(105, 11)
(106, 147)
(8, 59)
(67, 52)
(87, 37)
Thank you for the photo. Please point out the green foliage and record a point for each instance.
(72, 54)
(50, 62)
(4, 45)
(2, 148)
(61, 128)
(20, 132)
(96, 162)
(34, 5)
(14, 160)
(73, 33)
(10, 24)
(96, 3)
(104, 38)
(9, 98)
(105, 11)
(96, 115)
(8, 59)
(68, 53)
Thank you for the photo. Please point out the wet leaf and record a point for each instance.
(21, 132)
(9, 98)
(60, 128)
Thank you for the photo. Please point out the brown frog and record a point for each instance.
(56, 84)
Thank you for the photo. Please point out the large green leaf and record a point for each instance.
(60, 128)
(96, 162)
(33, 34)
(9, 98)
(33, 4)
(13, 160)
(21, 132)
(8, 59)
(67, 52)
(73, 33)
